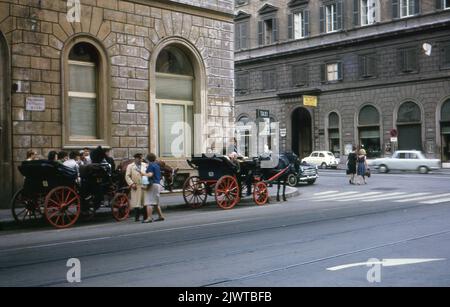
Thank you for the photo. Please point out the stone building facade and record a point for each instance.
(115, 77)
(378, 69)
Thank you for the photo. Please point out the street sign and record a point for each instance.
(35, 104)
(283, 132)
(394, 139)
(262, 113)
(394, 133)
(310, 101)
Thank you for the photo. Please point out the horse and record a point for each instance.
(278, 174)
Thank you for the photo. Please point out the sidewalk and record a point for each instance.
(172, 201)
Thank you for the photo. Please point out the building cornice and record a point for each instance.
(356, 36)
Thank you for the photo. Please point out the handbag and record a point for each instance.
(368, 173)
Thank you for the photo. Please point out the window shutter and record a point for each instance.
(323, 72)
(356, 12)
(260, 33)
(446, 52)
(322, 19)
(237, 37)
(304, 74)
(362, 66)
(305, 23)
(275, 30)
(340, 71)
(395, 9)
(339, 17)
(414, 64)
(291, 26)
(372, 65)
(244, 34)
(416, 7)
(438, 4)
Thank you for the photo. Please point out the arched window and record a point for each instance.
(86, 94)
(409, 126)
(175, 102)
(369, 131)
(334, 137)
(445, 131)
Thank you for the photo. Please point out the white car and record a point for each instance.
(406, 160)
(323, 159)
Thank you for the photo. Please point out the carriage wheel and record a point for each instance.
(261, 193)
(227, 192)
(195, 192)
(120, 207)
(62, 207)
(25, 209)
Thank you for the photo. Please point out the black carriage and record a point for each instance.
(54, 191)
(220, 177)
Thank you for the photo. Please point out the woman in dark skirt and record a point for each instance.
(351, 165)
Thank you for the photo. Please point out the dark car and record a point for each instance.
(302, 172)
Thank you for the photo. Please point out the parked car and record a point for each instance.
(406, 160)
(323, 159)
(300, 172)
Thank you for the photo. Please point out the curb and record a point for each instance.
(10, 224)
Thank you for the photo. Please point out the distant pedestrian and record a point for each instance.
(32, 155)
(351, 165)
(362, 166)
(52, 156)
(153, 192)
(133, 178)
(63, 156)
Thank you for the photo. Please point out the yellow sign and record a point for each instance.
(310, 101)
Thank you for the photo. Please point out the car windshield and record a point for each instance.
(330, 154)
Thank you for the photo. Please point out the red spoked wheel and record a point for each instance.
(260, 193)
(120, 207)
(195, 192)
(62, 207)
(26, 209)
(227, 192)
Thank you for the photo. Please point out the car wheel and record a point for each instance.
(323, 165)
(292, 180)
(383, 169)
(423, 170)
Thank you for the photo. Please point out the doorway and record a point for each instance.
(301, 132)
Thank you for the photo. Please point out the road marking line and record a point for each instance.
(360, 196)
(398, 197)
(113, 237)
(334, 196)
(386, 197)
(324, 193)
(385, 263)
(436, 201)
(422, 198)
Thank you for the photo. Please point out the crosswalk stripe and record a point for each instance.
(423, 198)
(360, 196)
(385, 196)
(324, 193)
(436, 201)
(326, 197)
(398, 195)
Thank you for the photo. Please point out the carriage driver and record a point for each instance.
(133, 177)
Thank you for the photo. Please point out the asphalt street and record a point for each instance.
(401, 220)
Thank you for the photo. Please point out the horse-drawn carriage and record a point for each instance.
(219, 176)
(55, 192)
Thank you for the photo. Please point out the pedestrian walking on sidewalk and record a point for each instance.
(351, 165)
(153, 192)
(133, 178)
